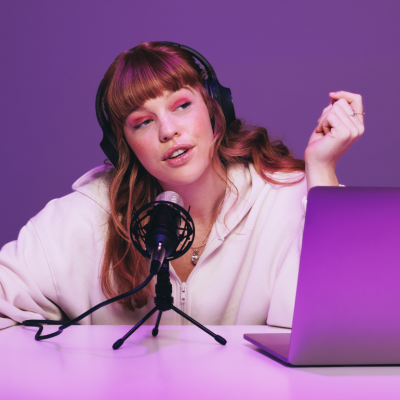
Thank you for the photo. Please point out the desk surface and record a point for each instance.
(181, 363)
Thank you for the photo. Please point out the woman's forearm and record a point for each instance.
(320, 176)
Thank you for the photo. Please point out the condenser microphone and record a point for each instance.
(162, 231)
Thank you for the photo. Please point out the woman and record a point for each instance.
(247, 199)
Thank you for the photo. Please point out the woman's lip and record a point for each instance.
(178, 161)
(182, 146)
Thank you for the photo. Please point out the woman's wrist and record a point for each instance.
(320, 176)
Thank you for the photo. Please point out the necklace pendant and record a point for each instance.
(195, 257)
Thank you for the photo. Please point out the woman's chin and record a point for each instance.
(185, 179)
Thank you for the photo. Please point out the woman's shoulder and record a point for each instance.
(284, 178)
(276, 180)
(251, 191)
(88, 201)
(95, 185)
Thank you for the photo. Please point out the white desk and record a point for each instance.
(181, 363)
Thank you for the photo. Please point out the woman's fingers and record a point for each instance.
(342, 111)
(325, 112)
(337, 127)
(345, 111)
(324, 149)
(353, 99)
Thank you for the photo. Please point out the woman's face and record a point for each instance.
(171, 136)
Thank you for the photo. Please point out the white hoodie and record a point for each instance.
(246, 275)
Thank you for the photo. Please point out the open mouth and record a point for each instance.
(178, 153)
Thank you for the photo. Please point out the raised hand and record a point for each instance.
(339, 126)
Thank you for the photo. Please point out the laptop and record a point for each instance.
(347, 309)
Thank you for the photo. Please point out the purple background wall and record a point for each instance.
(279, 58)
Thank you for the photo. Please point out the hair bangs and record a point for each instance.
(146, 73)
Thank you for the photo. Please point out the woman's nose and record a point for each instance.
(167, 130)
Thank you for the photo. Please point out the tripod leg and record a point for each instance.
(154, 332)
(121, 341)
(218, 338)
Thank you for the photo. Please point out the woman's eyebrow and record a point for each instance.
(140, 108)
(179, 91)
(187, 88)
(136, 109)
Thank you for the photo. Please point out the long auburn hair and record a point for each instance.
(133, 78)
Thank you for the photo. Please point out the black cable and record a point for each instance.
(39, 322)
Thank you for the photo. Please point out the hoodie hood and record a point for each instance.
(95, 184)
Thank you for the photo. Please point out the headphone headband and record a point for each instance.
(221, 94)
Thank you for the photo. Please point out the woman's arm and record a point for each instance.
(339, 126)
(26, 286)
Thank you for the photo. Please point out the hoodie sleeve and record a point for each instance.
(52, 270)
(284, 289)
(27, 289)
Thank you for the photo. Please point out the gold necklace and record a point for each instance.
(195, 257)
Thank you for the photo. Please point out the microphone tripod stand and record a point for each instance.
(164, 302)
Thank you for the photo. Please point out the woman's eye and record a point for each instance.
(184, 106)
(144, 123)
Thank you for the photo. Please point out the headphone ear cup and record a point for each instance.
(223, 96)
(226, 103)
(109, 141)
(109, 148)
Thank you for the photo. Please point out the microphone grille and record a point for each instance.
(172, 197)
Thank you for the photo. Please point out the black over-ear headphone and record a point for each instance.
(221, 94)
